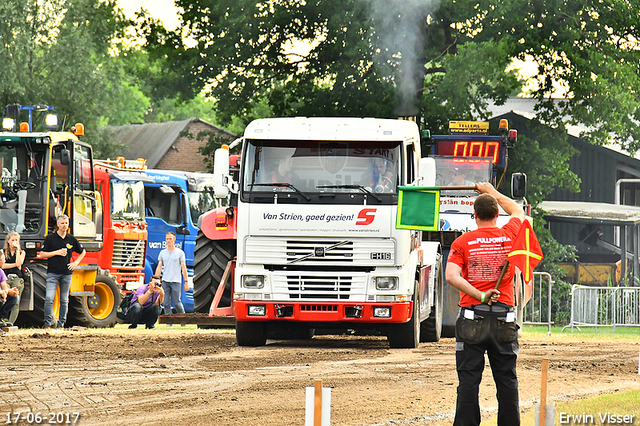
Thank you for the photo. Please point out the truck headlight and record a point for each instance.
(253, 281)
(382, 312)
(386, 283)
(257, 310)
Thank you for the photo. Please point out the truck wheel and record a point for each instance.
(210, 261)
(407, 335)
(251, 333)
(35, 318)
(431, 328)
(99, 310)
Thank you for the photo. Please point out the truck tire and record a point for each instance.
(251, 333)
(35, 318)
(210, 261)
(99, 310)
(431, 328)
(407, 335)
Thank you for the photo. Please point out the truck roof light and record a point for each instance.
(8, 123)
(51, 121)
(24, 127)
(225, 146)
(513, 136)
(78, 129)
(504, 124)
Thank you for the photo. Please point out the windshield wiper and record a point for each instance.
(285, 184)
(360, 187)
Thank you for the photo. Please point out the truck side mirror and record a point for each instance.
(182, 230)
(65, 157)
(427, 172)
(221, 172)
(518, 185)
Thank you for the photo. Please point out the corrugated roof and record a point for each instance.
(152, 140)
(587, 212)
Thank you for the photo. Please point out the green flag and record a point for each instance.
(418, 208)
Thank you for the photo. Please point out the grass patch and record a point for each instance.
(621, 403)
(600, 333)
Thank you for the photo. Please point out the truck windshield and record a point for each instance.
(21, 183)
(321, 166)
(202, 201)
(457, 172)
(126, 200)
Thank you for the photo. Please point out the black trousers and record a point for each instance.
(495, 333)
(139, 315)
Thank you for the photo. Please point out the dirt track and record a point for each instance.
(188, 376)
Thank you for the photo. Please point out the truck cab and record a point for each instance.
(315, 236)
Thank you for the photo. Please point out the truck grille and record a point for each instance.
(307, 286)
(128, 253)
(320, 251)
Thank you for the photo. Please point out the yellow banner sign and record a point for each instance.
(468, 127)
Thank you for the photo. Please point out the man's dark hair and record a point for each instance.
(486, 207)
(156, 277)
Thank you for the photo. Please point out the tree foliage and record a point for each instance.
(444, 59)
(62, 53)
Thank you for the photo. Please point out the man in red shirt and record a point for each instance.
(473, 267)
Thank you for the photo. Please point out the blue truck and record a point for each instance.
(174, 201)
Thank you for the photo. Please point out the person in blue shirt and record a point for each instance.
(174, 262)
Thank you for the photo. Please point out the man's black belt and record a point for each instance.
(499, 308)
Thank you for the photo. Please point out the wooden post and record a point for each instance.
(317, 411)
(543, 393)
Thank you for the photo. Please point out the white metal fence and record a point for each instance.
(538, 310)
(604, 307)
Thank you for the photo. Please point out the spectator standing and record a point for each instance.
(145, 304)
(174, 262)
(58, 247)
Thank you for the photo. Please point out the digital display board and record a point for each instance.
(464, 147)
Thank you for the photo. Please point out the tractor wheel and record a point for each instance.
(251, 333)
(407, 335)
(210, 261)
(35, 318)
(432, 327)
(99, 310)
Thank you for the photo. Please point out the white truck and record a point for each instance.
(315, 238)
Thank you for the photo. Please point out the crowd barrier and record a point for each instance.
(538, 310)
(604, 307)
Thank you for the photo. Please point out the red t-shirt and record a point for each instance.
(481, 254)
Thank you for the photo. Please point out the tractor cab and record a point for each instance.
(44, 175)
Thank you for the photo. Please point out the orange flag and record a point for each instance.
(526, 252)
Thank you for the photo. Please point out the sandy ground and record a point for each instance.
(184, 375)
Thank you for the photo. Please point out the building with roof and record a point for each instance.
(172, 145)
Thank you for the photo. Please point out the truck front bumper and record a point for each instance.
(319, 312)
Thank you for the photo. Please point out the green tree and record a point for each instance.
(64, 53)
(388, 57)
